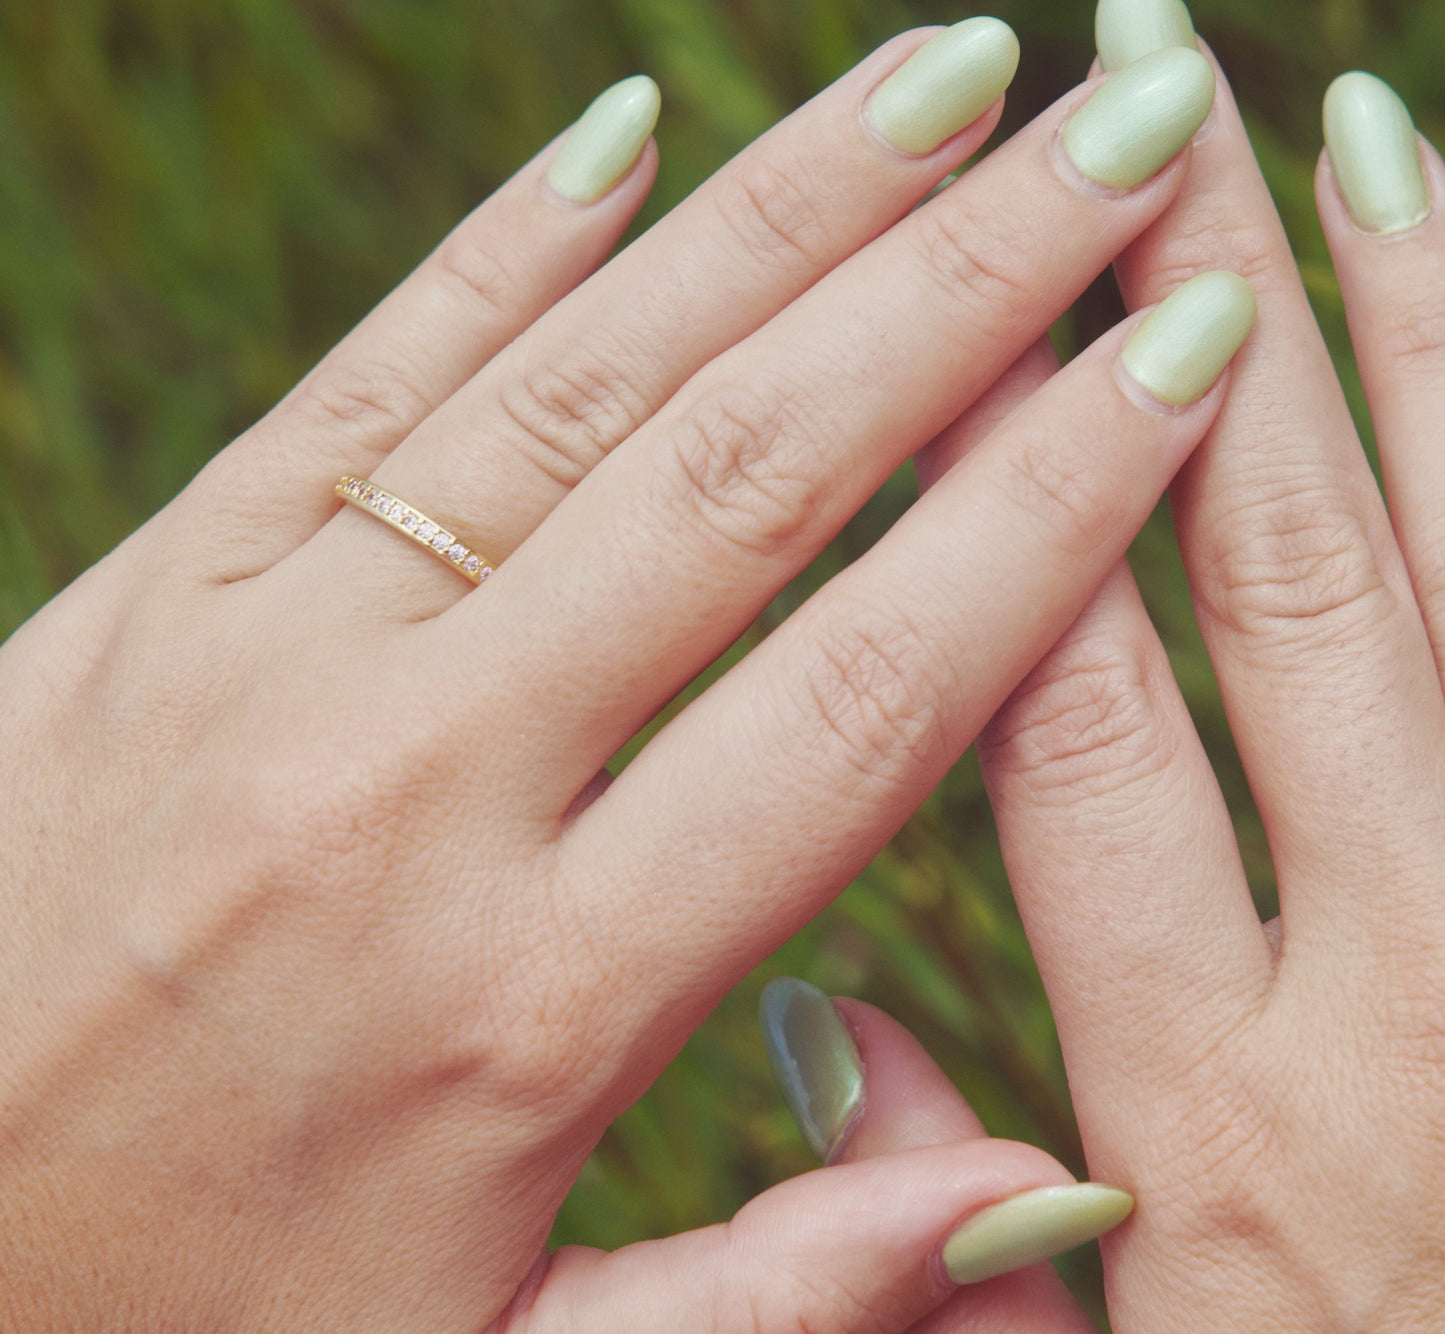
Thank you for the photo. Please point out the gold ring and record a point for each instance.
(414, 524)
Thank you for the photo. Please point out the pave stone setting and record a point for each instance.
(365, 495)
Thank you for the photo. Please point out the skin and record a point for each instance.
(329, 954)
(1282, 1081)
(1269, 1091)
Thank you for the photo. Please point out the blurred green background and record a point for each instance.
(196, 200)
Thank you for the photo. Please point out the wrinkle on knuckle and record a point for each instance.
(1084, 724)
(743, 460)
(965, 258)
(569, 417)
(877, 695)
(477, 275)
(1410, 334)
(1202, 240)
(1062, 494)
(372, 403)
(1299, 564)
(770, 207)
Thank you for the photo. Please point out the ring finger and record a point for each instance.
(493, 461)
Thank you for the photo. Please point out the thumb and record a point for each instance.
(864, 1246)
(860, 1086)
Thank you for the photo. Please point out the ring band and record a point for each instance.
(412, 523)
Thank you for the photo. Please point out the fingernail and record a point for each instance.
(1034, 1226)
(947, 83)
(1180, 348)
(601, 148)
(814, 1060)
(1129, 30)
(1374, 154)
(1140, 117)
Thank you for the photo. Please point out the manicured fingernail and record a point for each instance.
(946, 84)
(602, 146)
(1140, 117)
(1031, 1227)
(1374, 153)
(1129, 30)
(814, 1060)
(1184, 343)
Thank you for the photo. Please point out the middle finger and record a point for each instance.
(648, 571)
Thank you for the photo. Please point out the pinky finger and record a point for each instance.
(1381, 196)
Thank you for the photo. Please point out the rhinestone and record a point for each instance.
(442, 541)
(456, 551)
(409, 520)
(427, 531)
(471, 565)
(485, 574)
(397, 509)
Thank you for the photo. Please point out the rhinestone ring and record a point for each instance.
(415, 525)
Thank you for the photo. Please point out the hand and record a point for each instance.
(329, 953)
(1270, 1094)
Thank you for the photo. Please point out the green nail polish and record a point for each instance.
(1128, 30)
(1374, 154)
(1140, 117)
(1031, 1227)
(947, 83)
(601, 148)
(1181, 346)
(814, 1060)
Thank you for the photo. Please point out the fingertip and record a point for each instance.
(909, 1101)
(604, 146)
(1181, 348)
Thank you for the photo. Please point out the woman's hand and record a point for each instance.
(328, 952)
(1270, 1094)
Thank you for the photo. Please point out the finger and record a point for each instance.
(823, 740)
(506, 450)
(859, 1247)
(515, 256)
(1094, 762)
(1008, 392)
(858, 1081)
(910, 1103)
(1300, 591)
(1388, 246)
(1121, 854)
(755, 464)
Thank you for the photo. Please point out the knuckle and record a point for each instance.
(964, 257)
(1411, 332)
(877, 695)
(739, 456)
(771, 208)
(1205, 239)
(372, 404)
(1063, 494)
(569, 417)
(1085, 722)
(480, 278)
(1295, 565)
